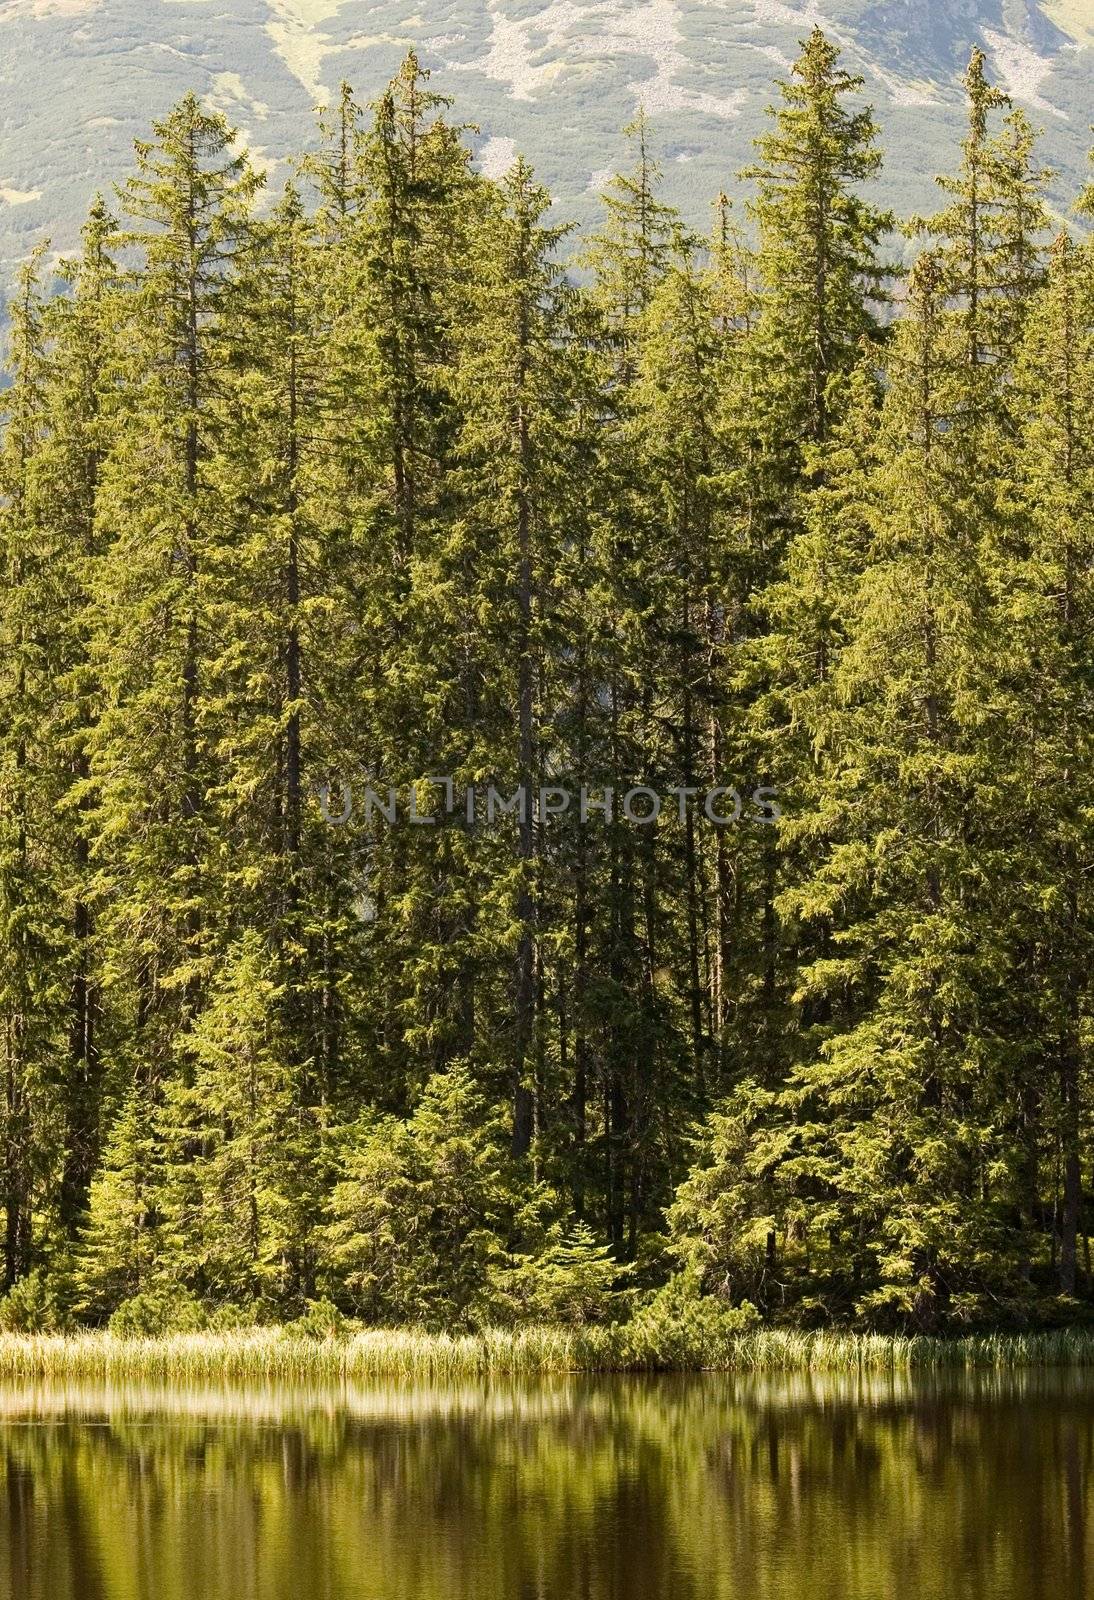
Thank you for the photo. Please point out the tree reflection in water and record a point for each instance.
(854, 1488)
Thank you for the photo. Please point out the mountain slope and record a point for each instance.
(554, 78)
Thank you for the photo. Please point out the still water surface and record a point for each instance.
(626, 1489)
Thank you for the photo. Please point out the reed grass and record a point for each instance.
(280, 1355)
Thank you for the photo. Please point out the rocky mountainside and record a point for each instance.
(555, 79)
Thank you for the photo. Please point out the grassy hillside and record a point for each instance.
(557, 80)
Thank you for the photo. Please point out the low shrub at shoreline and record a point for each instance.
(285, 1353)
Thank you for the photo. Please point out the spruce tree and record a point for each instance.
(497, 579)
(284, 881)
(871, 1172)
(991, 235)
(1045, 605)
(79, 399)
(239, 1148)
(31, 928)
(150, 750)
(819, 241)
(188, 206)
(121, 1251)
(677, 442)
(823, 285)
(414, 232)
(627, 258)
(423, 1215)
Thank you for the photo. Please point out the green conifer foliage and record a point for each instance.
(574, 1281)
(188, 205)
(498, 581)
(31, 929)
(880, 1154)
(237, 1217)
(991, 233)
(365, 487)
(83, 363)
(624, 741)
(822, 286)
(685, 566)
(421, 198)
(122, 1244)
(1045, 602)
(425, 1211)
(819, 240)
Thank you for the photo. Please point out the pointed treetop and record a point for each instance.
(631, 249)
(193, 188)
(1085, 203)
(98, 236)
(983, 96)
(335, 166)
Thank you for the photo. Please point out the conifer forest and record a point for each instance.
(365, 539)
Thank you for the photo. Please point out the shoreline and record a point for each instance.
(281, 1353)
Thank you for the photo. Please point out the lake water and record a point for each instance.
(705, 1488)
